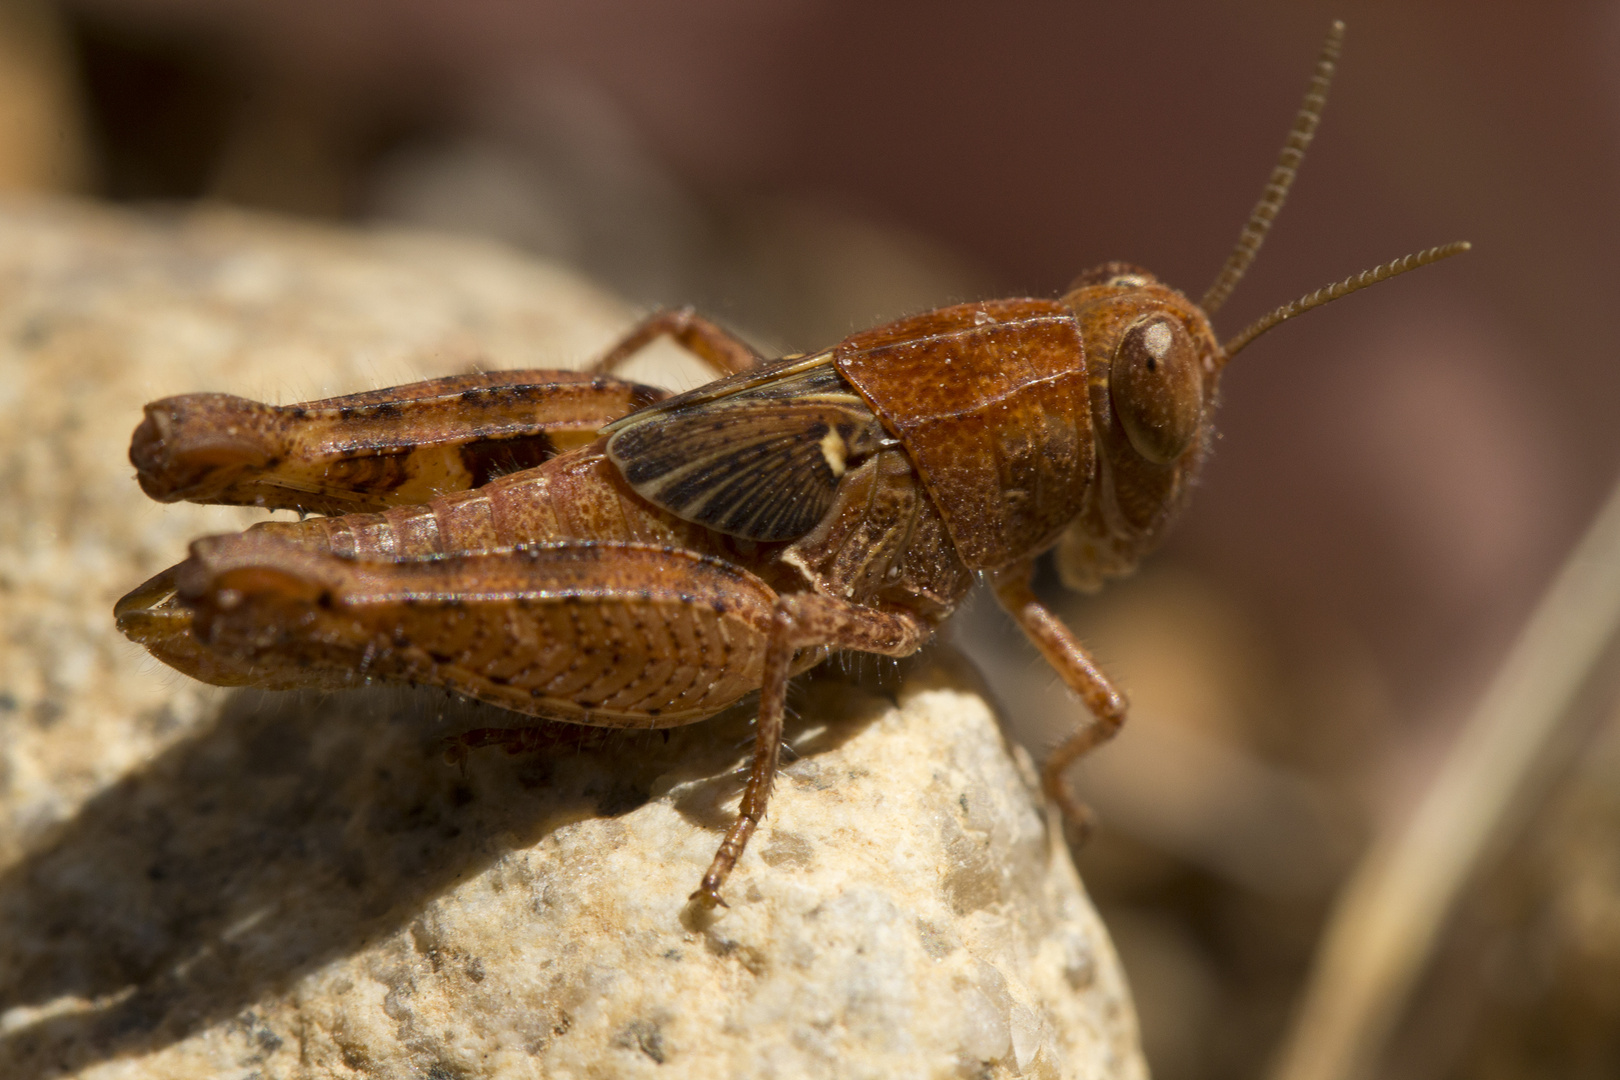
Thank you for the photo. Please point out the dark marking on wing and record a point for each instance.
(760, 463)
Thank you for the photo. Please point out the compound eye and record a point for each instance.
(1157, 388)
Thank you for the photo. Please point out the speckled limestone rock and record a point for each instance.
(199, 883)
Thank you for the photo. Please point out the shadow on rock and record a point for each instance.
(288, 833)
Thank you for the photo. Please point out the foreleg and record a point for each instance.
(800, 622)
(1079, 671)
(369, 451)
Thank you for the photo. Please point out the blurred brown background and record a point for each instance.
(1397, 477)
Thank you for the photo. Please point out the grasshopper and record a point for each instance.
(574, 546)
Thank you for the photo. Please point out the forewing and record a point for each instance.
(761, 463)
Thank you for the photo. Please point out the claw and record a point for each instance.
(1079, 822)
(709, 897)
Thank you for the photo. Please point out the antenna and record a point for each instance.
(1282, 175)
(1343, 288)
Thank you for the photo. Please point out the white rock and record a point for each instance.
(196, 883)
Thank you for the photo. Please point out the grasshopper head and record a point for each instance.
(1153, 364)
(1153, 355)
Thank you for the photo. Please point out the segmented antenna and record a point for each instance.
(1282, 176)
(1343, 288)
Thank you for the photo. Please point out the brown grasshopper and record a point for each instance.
(581, 548)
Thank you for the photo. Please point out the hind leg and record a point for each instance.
(800, 621)
(394, 447)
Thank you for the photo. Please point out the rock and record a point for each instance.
(196, 882)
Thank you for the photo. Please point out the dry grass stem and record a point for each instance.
(1389, 913)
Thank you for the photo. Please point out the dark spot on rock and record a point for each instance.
(47, 713)
(34, 333)
(645, 1036)
(269, 1042)
(936, 942)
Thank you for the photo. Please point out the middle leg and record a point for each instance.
(716, 346)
